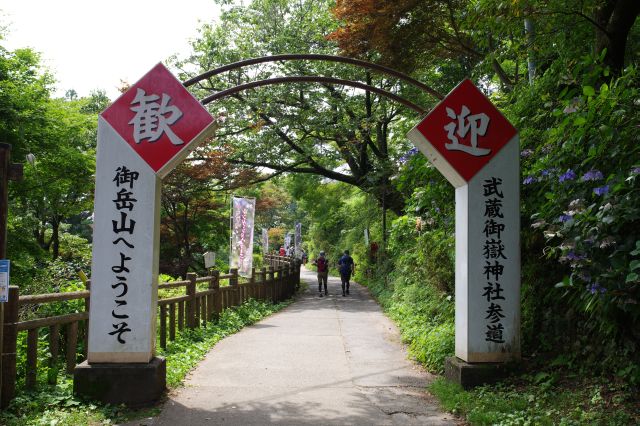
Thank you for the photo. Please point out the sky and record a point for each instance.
(94, 44)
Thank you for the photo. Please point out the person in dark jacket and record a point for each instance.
(346, 268)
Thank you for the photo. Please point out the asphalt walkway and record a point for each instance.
(324, 361)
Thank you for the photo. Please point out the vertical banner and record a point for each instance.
(265, 241)
(298, 240)
(242, 235)
(287, 242)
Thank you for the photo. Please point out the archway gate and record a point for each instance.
(152, 127)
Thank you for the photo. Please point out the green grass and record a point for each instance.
(423, 314)
(542, 399)
(53, 405)
(547, 394)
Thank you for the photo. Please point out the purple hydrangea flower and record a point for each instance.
(526, 153)
(592, 174)
(529, 180)
(568, 175)
(601, 190)
(585, 276)
(408, 154)
(545, 172)
(565, 218)
(636, 171)
(596, 288)
(573, 256)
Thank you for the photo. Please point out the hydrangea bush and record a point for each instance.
(581, 182)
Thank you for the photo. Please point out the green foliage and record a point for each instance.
(416, 291)
(540, 400)
(580, 193)
(56, 405)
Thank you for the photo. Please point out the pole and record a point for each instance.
(5, 154)
(8, 171)
(5, 165)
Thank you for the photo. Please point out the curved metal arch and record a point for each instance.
(312, 79)
(316, 57)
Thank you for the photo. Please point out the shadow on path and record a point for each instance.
(323, 360)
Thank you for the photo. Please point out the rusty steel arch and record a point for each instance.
(311, 79)
(317, 79)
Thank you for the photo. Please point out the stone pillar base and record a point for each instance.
(131, 384)
(472, 375)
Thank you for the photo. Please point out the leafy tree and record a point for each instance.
(341, 134)
(59, 184)
(194, 212)
(24, 92)
(484, 35)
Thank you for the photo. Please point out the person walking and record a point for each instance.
(322, 265)
(346, 268)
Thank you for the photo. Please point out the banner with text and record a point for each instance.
(242, 235)
(298, 239)
(287, 242)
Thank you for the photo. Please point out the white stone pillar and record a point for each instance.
(487, 280)
(124, 275)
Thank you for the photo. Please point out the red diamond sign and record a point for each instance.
(462, 133)
(159, 119)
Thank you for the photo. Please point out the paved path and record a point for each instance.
(327, 361)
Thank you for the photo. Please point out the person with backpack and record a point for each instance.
(346, 267)
(322, 265)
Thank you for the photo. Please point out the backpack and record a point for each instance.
(345, 263)
(322, 264)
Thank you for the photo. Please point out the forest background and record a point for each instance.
(336, 159)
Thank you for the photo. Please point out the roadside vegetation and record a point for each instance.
(56, 404)
(565, 73)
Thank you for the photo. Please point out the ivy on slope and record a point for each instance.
(414, 291)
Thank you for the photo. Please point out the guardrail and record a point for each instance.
(195, 308)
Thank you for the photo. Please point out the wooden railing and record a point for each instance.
(195, 308)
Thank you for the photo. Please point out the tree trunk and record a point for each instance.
(386, 194)
(55, 238)
(615, 19)
(531, 62)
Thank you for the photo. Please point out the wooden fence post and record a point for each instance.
(191, 303)
(172, 322)
(270, 284)
(87, 304)
(263, 285)
(54, 348)
(217, 296)
(233, 283)
(31, 378)
(71, 346)
(280, 273)
(252, 284)
(163, 326)
(9, 344)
